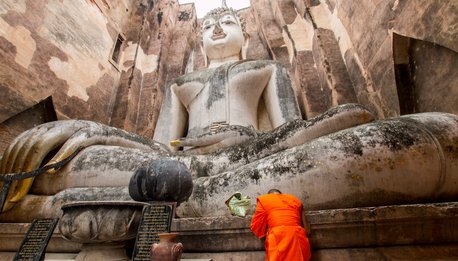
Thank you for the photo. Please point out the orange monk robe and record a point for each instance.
(278, 217)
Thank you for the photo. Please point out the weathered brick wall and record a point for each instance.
(177, 34)
(332, 70)
(61, 49)
(48, 49)
(434, 72)
(363, 32)
(141, 82)
(370, 26)
(309, 49)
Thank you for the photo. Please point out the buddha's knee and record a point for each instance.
(161, 180)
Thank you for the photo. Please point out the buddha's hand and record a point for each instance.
(28, 150)
(218, 139)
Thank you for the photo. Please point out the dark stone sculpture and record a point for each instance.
(161, 180)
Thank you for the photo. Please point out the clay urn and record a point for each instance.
(167, 249)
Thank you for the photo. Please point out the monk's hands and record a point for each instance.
(221, 138)
(304, 222)
(27, 151)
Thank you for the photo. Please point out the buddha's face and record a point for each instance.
(222, 36)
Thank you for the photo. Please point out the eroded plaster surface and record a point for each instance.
(87, 43)
(21, 38)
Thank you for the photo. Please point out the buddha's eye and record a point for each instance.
(207, 26)
(228, 22)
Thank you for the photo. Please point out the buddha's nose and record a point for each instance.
(217, 29)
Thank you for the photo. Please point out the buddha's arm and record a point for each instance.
(172, 119)
(279, 97)
(285, 116)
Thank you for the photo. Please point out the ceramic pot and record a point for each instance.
(167, 249)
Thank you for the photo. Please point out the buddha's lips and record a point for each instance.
(218, 36)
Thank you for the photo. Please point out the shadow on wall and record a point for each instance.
(38, 114)
(426, 76)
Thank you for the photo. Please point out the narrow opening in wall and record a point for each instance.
(116, 53)
(426, 76)
(402, 68)
(39, 113)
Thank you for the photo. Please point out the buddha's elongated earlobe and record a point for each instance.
(246, 43)
(202, 49)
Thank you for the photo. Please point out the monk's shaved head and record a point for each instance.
(274, 191)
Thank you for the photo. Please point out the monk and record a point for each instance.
(280, 218)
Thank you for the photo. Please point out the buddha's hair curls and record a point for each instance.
(217, 12)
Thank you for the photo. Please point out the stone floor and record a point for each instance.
(420, 252)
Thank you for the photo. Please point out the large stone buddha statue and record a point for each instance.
(237, 127)
(228, 93)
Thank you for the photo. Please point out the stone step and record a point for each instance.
(373, 230)
(335, 228)
(194, 259)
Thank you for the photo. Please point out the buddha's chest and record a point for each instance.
(223, 88)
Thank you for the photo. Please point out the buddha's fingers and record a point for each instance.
(17, 145)
(20, 188)
(200, 141)
(43, 142)
(116, 137)
(19, 155)
(227, 142)
(228, 136)
(16, 161)
(49, 141)
(18, 191)
(99, 134)
(7, 204)
(12, 148)
(75, 143)
(13, 155)
(346, 116)
(10, 153)
(336, 119)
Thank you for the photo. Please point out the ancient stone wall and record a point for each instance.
(143, 79)
(343, 51)
(366, 30)
(61, 50)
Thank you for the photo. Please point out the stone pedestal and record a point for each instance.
(91, 252)
(376, 233)
(102, 227)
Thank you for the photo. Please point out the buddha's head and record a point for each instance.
(223, 34)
